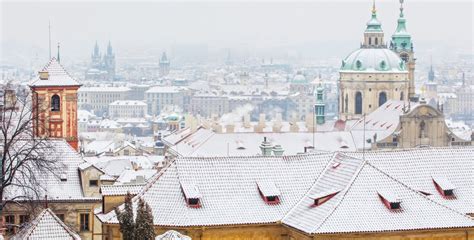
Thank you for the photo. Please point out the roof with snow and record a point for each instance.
(205, 142)
(46, 226)
(57, 76)
(348, 186)
(64, 184)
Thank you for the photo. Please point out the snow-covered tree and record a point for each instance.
(125, 217)
(144, 222)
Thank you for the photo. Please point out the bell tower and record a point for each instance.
(402, 44)
(54, 101)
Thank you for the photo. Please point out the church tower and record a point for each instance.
(319, 106)
(402, 44)
(109, 62)
(164, 65)
(54, 101)
(371, 75)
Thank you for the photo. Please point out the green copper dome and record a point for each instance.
(373, 60)
(299, 78)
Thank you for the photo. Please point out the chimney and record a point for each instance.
(261, 120)
(217, 128)
(310, 122)
(247, 120)
(44, 75)
(266, 147)
(278, 150)
(278, 123)
(230, 128)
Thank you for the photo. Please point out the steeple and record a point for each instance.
(401, 39)
(431, 74)
(109, 49)
(373, 35)
(96, 49)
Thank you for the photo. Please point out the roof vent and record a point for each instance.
(389, 199)
(324, 196)
(269, 192)
(191, 194)
(444, 186)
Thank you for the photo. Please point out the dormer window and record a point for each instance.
(324, 196)
(389, 199)
(443, 186)
(55, 103)
(269, 192)
(191, 194)
(63, 177)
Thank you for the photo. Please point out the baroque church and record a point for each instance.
(375, 73)
(102, 65)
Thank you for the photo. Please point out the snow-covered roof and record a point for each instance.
(229, 194)
(205, 142)
(361, 183)
(128, 103)
(416, 168)
(116, 190)
(63, 186)
(46, 226)
(165, 89)
(57, 76)
(104, 89)
(228, 185)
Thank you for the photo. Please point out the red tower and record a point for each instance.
(54, 94)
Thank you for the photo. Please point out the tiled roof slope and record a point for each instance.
(416, 167)
(228, 187)
(229, 193)
(46, 226)
(358, 207)
(58, 76)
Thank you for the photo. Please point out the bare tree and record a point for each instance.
(25, 159)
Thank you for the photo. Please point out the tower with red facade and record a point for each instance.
(54, 102)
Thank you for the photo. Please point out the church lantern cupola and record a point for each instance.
(373, 35)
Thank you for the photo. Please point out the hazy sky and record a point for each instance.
(137, 26)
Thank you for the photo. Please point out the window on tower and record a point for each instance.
(55, 103)
(358, 103)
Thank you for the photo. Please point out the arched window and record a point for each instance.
(358, 103)
(382, 98)
(401, 96)
(55, 103)
(422, 129)
(370, 41)
(376, 41)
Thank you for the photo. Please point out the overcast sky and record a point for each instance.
(136, 26)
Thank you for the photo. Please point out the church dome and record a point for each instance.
(373, 60)
(299, 78)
